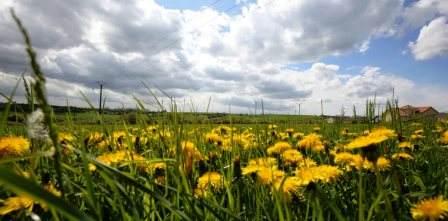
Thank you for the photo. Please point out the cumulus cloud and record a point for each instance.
(237, 60)
(422, 11)
(432, 40)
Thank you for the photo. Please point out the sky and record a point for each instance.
(237, 54)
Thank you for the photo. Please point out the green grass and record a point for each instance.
(131, 190)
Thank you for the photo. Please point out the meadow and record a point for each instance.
(184, 166)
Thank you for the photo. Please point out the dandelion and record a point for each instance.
(16, 203)
(349, 159)
(288, 187)
(13, 146)
(375, 137)
(444, 138)
(268, 175)
(298, 135)
(402, 156)
(36, 127)
(430, 209)
(190, 155)
(209, 181)
(119, 157)
(279, 147)
(291, 157)
(382, 164)
(307, 162)
(322, 173)
(65, 137)
(406, 145)
(256, 164)
(311, 141)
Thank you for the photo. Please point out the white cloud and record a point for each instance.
(238, 60)
(422, 11)
(432, 40)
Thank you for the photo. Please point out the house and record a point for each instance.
(409, 112)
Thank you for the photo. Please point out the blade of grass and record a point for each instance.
(21, 185)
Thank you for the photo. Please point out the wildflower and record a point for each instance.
(255, 164)
(417, 137)
(155, 167)
(402, 156)
(13, 146)
(268, 175)
(291, 157)
(430, 209)
(349, 159)
(213, 138)
(375, 137)
(279, 147)
(119, 157)
(36, 127)
(322, 173)
(289, 131)
(16, 203)
(209, 181)
(190, 155)
(444, 138)
(406, 145)
(382, 164)
(289, 186)
(307, 162)
(65, 137)
(311, 141)
(298, 135)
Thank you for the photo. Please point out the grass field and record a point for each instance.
(188, 166)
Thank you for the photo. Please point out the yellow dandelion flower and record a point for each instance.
(405, 145)
(256, 164)
(307, 162)
(382, 164)
(120, 157)
(13, 146)
(65, 137)
(16, 203)
(288, 187)
(298, 135)
(375, 137)
(349, 159)
(430, 209)
(279, 147)
(321, 173)
(153, 167)
(209, 181)
(291, 157)
(311, 141)
(213, 138)
(402, 156)
(419, 131)
(268, 175)
(444, 138)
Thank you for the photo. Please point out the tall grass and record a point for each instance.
(123, 191)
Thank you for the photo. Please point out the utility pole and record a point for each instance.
(100, 105)
(321, 107)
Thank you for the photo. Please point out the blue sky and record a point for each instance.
(236, 53)
(390, 53)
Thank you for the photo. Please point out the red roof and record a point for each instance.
(409, 110)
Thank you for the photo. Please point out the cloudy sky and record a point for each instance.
(234, 52)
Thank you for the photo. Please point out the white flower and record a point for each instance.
(36, 127)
